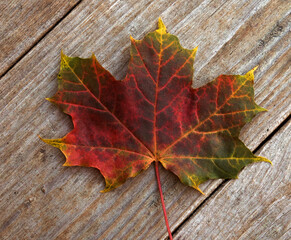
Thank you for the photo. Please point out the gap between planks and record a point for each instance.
(39, 39)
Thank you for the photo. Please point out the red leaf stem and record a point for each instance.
(162, 199)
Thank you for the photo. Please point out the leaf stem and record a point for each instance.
(162, 199)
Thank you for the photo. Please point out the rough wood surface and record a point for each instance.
(41, 199)
(256, 206)
(24, 22)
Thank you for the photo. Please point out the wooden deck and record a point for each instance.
(41, 199)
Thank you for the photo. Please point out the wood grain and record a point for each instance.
(23, 23)
(256, 206)
(41, 199)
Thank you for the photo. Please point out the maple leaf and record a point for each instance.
(121, 127)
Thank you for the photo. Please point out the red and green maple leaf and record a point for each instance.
(154, 115)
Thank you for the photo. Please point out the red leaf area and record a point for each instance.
(153, 114)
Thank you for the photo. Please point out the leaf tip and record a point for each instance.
(131, 38)
(161, 26)
(255, 68)
(66, 164)
(263, 159)
(62, 53)
(199, 190)
(43, 139)
(250, 74)
(53, 142)
(194, 51)
(263, 109)
(106, 189)
(266, 160)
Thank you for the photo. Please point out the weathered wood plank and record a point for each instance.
(65, 203)
(23, 23)
(256, 206)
